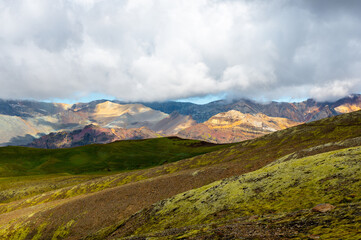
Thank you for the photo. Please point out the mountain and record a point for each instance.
(23, 121)
(173, 124)
(234, 126)
(305, 111)
(267, 190)
(109, 114)
(25, 108)
(89, 135)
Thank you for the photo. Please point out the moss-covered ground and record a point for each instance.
(341, 223)
(287, 185)
(15, 188)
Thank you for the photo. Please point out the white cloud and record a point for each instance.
(335, 90)
(159, 49)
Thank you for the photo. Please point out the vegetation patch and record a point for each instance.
(117, 156)
(285, 186)
(341, 223)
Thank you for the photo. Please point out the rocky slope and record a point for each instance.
(234, 126)
(173, 124)
(89, 135)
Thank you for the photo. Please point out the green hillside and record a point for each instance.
(287, 185)
(117, 156)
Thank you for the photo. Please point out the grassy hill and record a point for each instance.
(117, 156)
(277, 177)
(287, 185)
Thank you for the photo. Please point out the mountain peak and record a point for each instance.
(111, 109)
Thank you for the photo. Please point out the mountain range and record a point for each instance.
(23, 121)
(26, 122)
(305, 111)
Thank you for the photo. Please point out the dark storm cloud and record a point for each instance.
(157, 50)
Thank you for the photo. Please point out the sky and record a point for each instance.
(199, 50)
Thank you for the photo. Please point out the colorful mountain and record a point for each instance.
(305, 111)
(234, 126)
(173, 124)
(89, 135)
(23, 121)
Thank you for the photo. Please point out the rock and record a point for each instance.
(254, 217)
(314, 237)
(323, 207)
(195, 173)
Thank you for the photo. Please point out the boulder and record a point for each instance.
(323, 207)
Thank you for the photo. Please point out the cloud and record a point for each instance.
(158, 49)
(335, 90)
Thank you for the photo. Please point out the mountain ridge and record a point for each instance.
(305, 111)
(28, 120)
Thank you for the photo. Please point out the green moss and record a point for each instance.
(189, 234)
(16, 231)
(347, 227)
(15, 188)
(63, 231)
(38, 234)
(284, 186)
(103, 233)
(21, 233)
